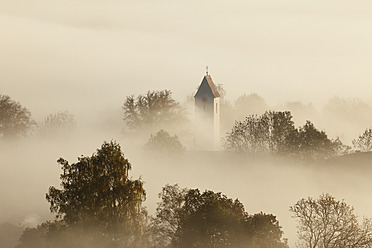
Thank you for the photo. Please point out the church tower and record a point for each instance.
(207, 113)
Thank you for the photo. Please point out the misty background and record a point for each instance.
(87, 56)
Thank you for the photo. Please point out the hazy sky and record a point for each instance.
(87, 55)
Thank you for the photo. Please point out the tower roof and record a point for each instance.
(212, 86)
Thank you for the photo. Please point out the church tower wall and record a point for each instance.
(207, 113)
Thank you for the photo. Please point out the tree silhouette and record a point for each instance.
(162, 143)
(274, 132)
(98, 205)
(270, 132)
(364, 142)
(326, 223)
(154, 110)
(189, 218)
(15, 120)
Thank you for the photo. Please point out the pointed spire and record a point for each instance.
(206, 70)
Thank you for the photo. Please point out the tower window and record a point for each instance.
(216, 107)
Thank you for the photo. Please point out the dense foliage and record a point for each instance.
(98, 202)
(163, 226)
(155, 110)
(274, 132)
(210, 219)
(15, 120)
(162, 143)
(270, 132)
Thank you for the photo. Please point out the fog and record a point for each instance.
(87, 56)
(264, 184)
(84, 55)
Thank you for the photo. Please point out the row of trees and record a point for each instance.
(188, 218)
(157, 110)
(338, 115)
(16, 121)
(100, 205)
(275, 132)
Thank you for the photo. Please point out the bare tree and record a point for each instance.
(364, 142)
(60, 123)
(328, 223)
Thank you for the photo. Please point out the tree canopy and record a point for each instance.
(98, 202)
(265, 133)
(274, 132)
(162, 143)
(155, 110)
(15, 120)
(327, 223)
(209, 219)
(313, 143)
(164, 225)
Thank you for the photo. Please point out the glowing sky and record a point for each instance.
(86, 56)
